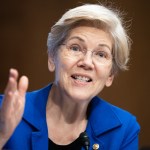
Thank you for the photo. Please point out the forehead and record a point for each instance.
(90, 36)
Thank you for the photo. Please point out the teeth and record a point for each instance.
(81, 78)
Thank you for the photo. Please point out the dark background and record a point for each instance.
(24, 26)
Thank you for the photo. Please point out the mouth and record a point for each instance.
(81, 78)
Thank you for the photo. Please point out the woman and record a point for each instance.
(86, 49)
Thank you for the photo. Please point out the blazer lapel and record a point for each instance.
(35, 115)
(101, 120)
(102, 117)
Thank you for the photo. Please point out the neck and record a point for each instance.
(65, 116)
(64, 108)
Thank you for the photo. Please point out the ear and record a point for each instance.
(109, 80)
(51, 64)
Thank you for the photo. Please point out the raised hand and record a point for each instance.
(13, 105)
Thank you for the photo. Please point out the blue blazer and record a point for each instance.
(109, 126)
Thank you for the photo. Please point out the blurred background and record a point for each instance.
(24, 26)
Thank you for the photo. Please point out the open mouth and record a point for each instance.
(81, 78)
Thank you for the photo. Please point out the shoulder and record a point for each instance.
(110, 116)
(105, 107)
(36, 100)
(110, 123)
(40, 92)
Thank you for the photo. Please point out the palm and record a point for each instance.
(13, 104)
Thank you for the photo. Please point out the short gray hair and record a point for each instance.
(108, 19)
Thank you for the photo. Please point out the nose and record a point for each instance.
(86, 61)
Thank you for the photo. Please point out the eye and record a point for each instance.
(102, 54)
(75, 47)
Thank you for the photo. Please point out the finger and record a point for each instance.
(13, 73)
(23, 85)
(12, 81)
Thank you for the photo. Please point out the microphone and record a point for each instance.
(84, 139)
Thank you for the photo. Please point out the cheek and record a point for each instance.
(68, 58)
(63, 67)
(104, 72)
(67, 61)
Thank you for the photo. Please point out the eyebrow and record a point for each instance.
(76, 37)
(82, 40)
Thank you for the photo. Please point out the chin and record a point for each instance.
(81, 97)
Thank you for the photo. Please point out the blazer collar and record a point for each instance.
(102, 118)
(35, 108)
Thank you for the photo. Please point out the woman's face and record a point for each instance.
(82, 77)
